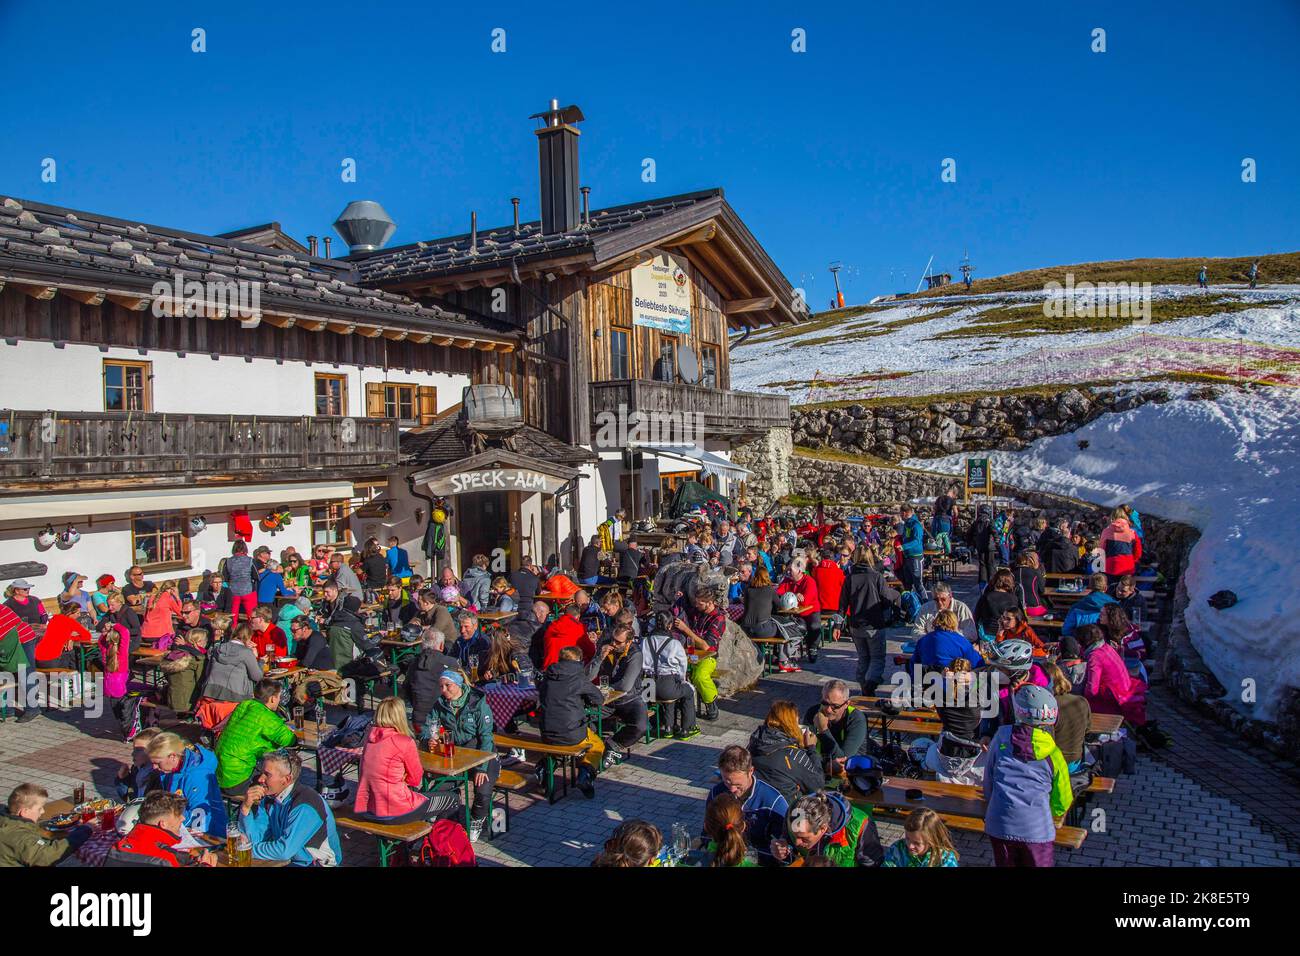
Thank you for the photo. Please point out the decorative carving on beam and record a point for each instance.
(84, 296)
(40, 292)
(133, 303)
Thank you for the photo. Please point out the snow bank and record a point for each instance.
(1231, 468)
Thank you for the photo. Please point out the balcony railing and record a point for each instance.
(724, 414)
(55, 446)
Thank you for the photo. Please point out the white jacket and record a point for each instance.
(924, 622)
(671, 654)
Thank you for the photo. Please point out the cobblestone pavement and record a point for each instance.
(1206, 801)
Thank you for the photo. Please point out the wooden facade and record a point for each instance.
(118, 448)
(62, 318)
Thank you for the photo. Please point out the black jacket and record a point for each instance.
(842, 738)
(866, 599)
(1057, 553)
(989, 608)
(625, 674)
(376, 569)
(758, 621)
(129, 620)
(589, 562)
(422, 681)
(629, 560)
(526, 585)
(1031, 587)
(346, 612)
(315, 653)
(783, 763)
(980, 536)
(564, 696)
(523, 630)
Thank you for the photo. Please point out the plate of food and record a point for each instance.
(95, 806)
(64, 821)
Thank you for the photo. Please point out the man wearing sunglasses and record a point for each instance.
(840, 728)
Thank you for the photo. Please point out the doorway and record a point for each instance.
(482, 524)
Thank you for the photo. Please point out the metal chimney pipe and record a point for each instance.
(311, 245)
(327, 246)
(555, 110)
(473, 233)
(514, 201)
(586, 209)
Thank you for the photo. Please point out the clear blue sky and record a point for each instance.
(1062, 155)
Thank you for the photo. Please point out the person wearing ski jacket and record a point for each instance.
(1121, 545)
(826, 824)
(253, 729)
(783, 761)
(191, 770)
(1087, 610)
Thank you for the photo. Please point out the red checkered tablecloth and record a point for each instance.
(334, 760)
(507, 700)
(94, 850)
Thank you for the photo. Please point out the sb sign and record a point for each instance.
(979, 477)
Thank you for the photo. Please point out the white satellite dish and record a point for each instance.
(688, 366)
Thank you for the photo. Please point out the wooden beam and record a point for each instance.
(422, 338)
(279, 321)
(314, 326)
(84, 296)
(40, 292)
(396, 335)
(440, 340)
(370, 331)
(737, 306)
(704, 233)
(133, 303)
(342, 328)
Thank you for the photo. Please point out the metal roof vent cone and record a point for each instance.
(364, 226)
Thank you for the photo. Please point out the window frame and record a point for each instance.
(398, 388)
(344, 518)
(342, 381)
(184, 540)
(709, 376)
(625, 335)
(145, 389)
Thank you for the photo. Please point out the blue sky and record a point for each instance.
(1063, 155)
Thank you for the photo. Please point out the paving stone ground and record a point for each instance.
(1208, 800)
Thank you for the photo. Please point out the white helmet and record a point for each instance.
(197, 524)
(128, 816)
(70, 535)
(1035, 706)
(47, 537)
(787, 601)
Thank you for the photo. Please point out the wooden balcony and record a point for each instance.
(724, 414)
(115, 449)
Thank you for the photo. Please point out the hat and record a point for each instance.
(69, 577)
(455, 676)
(22, 583)
(105, 581)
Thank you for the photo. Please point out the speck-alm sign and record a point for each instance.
(661, 295)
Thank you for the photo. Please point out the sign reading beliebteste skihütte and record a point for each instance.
(979, 477)
(496, 479)
(661, 295)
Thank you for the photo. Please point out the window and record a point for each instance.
(709, 366)
(329, 523)
(127, 386)
(666, 368)
(408, 404)
(158, 541)
(331, 395)
(620, 365)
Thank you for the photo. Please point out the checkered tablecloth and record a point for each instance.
(334, 760)
(736, 611)
(507, 700)
(94, 850)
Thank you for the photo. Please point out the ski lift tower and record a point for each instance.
(967, 267)
(835, 274)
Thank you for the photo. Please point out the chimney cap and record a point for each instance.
(557, 115)
(364, 225)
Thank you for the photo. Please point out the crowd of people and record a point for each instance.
(644, 626)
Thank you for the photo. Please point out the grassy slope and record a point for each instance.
(1280, 267)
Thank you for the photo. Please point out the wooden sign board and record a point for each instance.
(496, 479)
(979, 477)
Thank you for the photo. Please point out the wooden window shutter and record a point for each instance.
(375, 400)
(427, 402)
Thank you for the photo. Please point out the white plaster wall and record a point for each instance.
(36, 375)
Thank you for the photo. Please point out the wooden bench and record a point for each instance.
(924, 721)
(768, 646)
(565, 754)
(959, 806)
(389, 835)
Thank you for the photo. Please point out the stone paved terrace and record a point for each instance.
(1208, 800)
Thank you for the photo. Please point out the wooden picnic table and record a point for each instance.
(924, 721)
(1064, 576)
(455, 769)
(495, 617)
(800, 611)
(959, 806)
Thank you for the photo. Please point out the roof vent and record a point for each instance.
(364, 226)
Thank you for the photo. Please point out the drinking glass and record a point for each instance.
(681, 840)
(604, 683)
(233, 837)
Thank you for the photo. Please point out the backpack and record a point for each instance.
(132, 717)
(351, 733)
(909, 605)
(445, 845)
